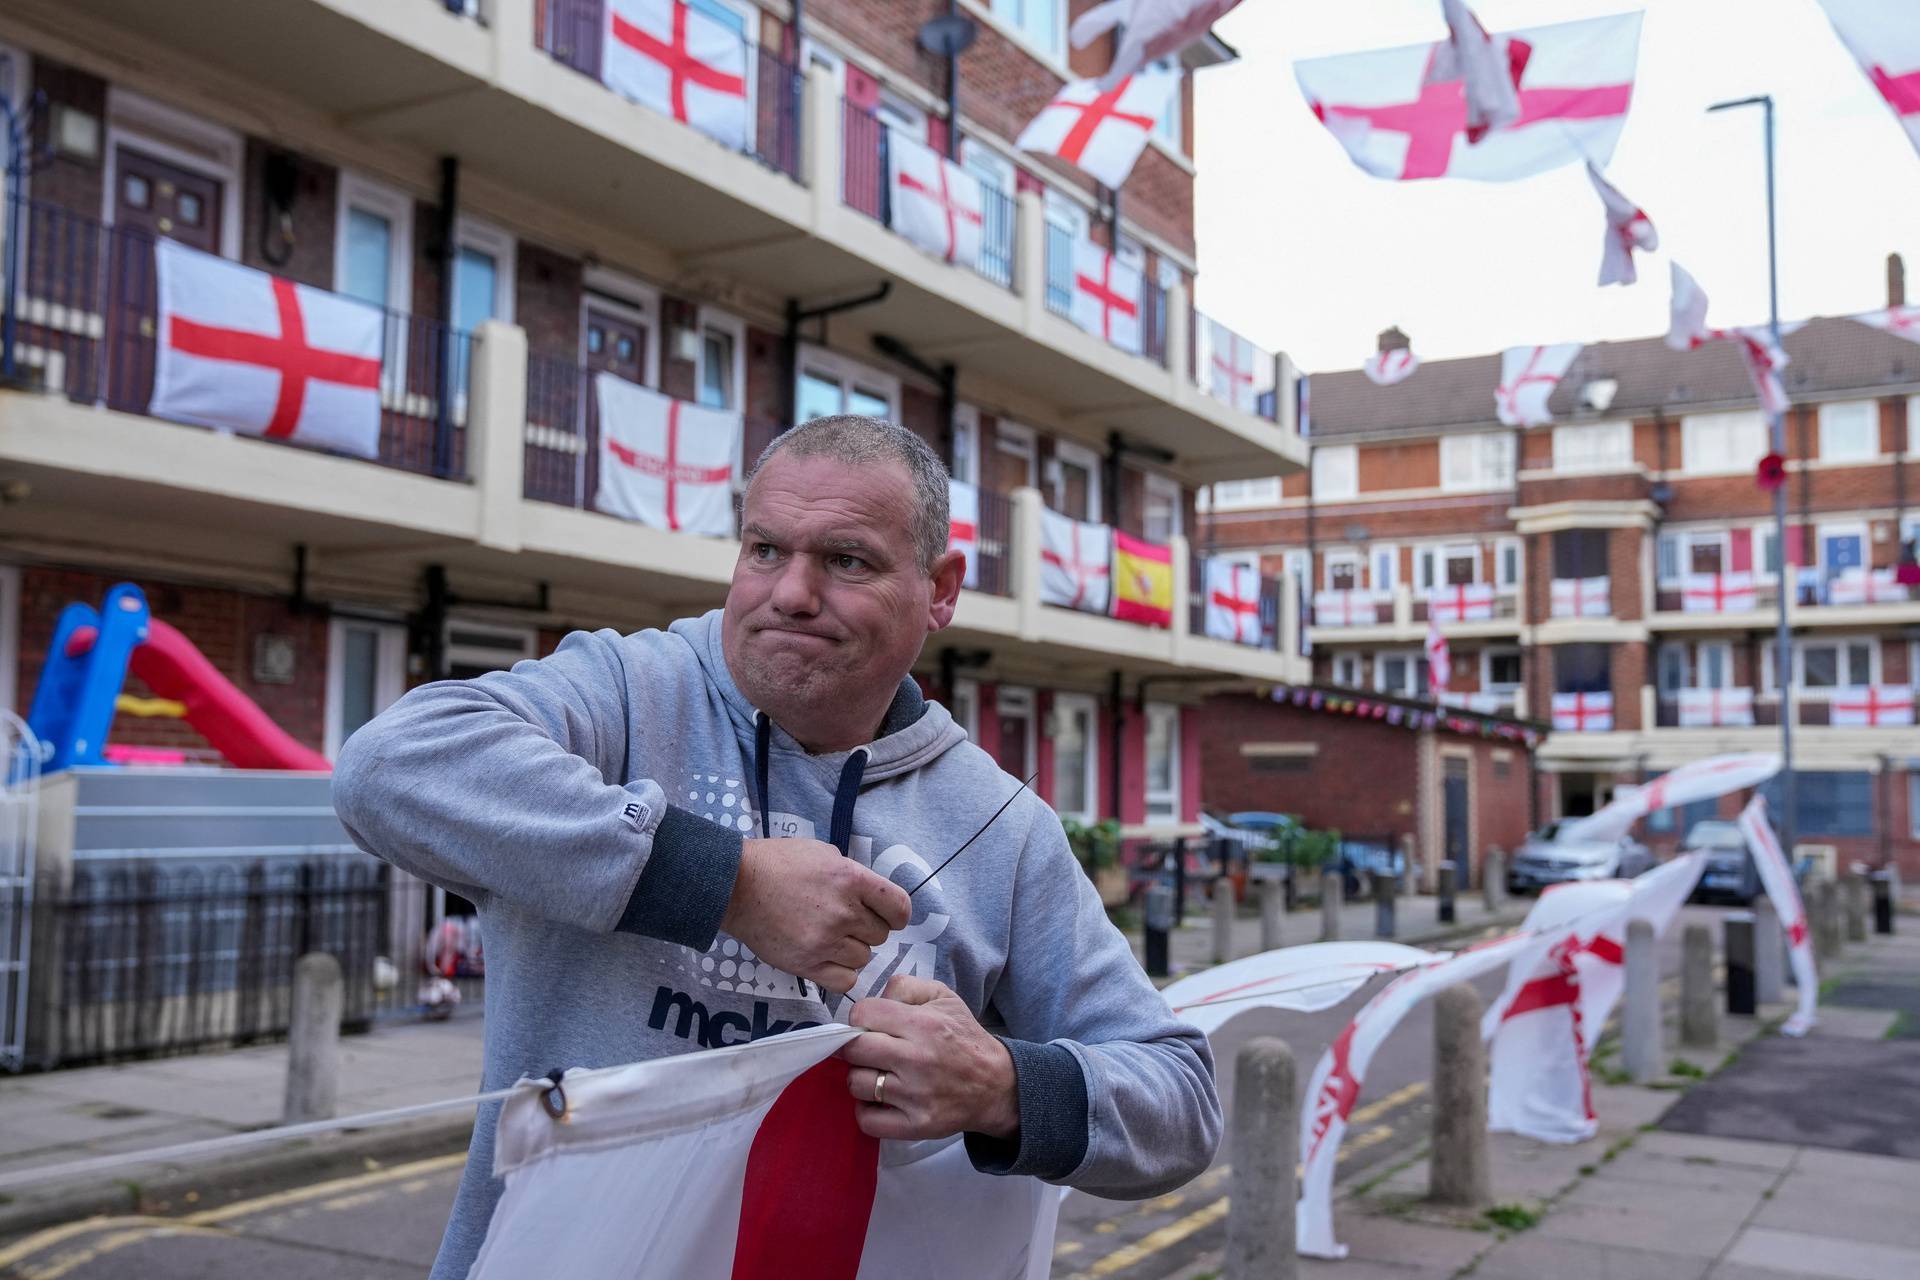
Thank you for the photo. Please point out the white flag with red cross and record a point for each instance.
(1884, 39)
(1461, 602)
(759, 1172)
(1580, 597)
(1099, 131)
(1487, 67)
(1871, 704)
(963, 526)
(1076, 563)
(665, 462)
(1149, 30)
(1687, 329)
(1233, 600)
(1439, 657)
(1628, 228)
(1901, 322)
(1715, 708)
(936, 204)
(1583, 712)
(668, 56)
(1107, 296)
(1784, 892)
(1860, 586)
(244, 351)
(1528, 376)
(1399, 116)
(1344, 609)
(1385, 368)
(1230, 367)
(1718, 593)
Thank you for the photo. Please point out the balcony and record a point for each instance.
(1849, 597)
(1475, 611)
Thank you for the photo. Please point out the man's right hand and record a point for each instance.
(803, 908)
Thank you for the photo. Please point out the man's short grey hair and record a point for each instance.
(858, 441)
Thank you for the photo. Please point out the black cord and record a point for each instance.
(976, 835)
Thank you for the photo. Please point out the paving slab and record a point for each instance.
(1855, 1095)
(1649, 1168)
(1657, 1230)
(1852, 1209)
(1531, 1256)
(1732, 1151)
(1381, 1239)
(1822, 1257)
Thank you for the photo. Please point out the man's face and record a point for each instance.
(829, 606)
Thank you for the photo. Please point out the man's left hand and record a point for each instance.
(944, 1073)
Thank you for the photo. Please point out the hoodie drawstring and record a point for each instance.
(762, 740)
(840, 832)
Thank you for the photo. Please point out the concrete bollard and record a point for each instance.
(1265, 1144)
(1493, 878)
(1858, 903)
(1273, 904)
(1769, 953)
(1826, 919)
(1222, 920)
(1445, 877)
(1740, 963)
(1332, 898)
(313, 1039)
(1458, 1168)
(1386, 888)
(1640, 1019)
(1699, 1018)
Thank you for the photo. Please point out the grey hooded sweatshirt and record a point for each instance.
(593, 803)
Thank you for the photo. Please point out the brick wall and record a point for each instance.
(76, 185)
(307, 253)
(546, 304)
(1330, 791)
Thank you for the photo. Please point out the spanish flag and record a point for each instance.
(1142, 581)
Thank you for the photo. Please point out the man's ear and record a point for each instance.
(949, 571)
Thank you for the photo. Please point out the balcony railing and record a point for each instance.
(996, 544)
(1232, 369)
(571, 31)
(1744, 592)
(78, 317)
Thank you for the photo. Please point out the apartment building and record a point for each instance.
(464, 167)
(1615, 575)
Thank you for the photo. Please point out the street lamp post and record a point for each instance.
(1777, 433)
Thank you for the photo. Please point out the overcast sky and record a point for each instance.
(1300, 251)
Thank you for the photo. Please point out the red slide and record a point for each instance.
(224, 716)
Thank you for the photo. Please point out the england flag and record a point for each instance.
(1107, 295)
(1884, 39)
(665, 462)
(670, 57)
(936, 204)
(1099, 131)
(963, 526)
(1528, 376)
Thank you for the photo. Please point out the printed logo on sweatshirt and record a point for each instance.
(637, 815)
(714, 1028)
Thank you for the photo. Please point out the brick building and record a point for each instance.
(461, 165)
(1615, 573)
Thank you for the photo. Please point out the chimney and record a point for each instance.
(1896, 281)
(1394, 340)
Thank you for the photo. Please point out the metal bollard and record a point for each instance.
(1699, 1020)
(1493, 879)
(1640, 1032)
(1769, 953)
(1332, 898)
(1265, 1143)
(1882, 902)
(313, 1039)
(1457, 1171)
(1386, 887)
(1222, 920)
(1857, 906)
(1445, 880)
(1273, 903)
(1742, 966)
(1158, 914)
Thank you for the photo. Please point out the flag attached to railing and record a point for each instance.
(665, 462)
(1142, 581)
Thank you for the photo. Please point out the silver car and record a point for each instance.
(1730, 874)
(1542, 859)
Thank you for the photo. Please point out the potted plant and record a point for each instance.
(1097, 846)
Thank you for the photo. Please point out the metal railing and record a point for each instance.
(571, 32)
(865, 188)
(78, 316)
(996, 543)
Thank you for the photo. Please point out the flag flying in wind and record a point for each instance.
(1698, 780)
(1102, 131)
(1784, 892)
(1385, 368)
(1398, 118)
(1149, 30)
(1884, 39)
(744, 1163)
(1439, 657)
(1762, 356)
(1487, 67)
(1901, 322)
(1628, 228)
(1528, 376)
(670, 57)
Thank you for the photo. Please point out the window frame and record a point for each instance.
(397, 207)
(1487, 682)
(845, 371)
(1387, 554)
(1841, 529)
(964, 465)
(1484, 478)
(1826, 426)
(1171, 799)
(1066, 703)
(1267, 495)
(1320, 480)
(1419, 680)
(1613, 430)
(629, 300)
(1165, 489)
(711, 318)
(1500, 548)
(1801, 644)
(390, 671)
(1701, 456)
(1344, 556)
(1016, 30)
(1354, 679)
(965, 708)
(1071, 453)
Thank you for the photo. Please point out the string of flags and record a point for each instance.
(1362, 707)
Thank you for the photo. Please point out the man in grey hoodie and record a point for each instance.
(635, 817)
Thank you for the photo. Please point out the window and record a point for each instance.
(1580, 668)
(1672, 669)
(1076, 481)
(1722, 442)
(1074, 757)
(1483, 460)
(1015, 709)
(1242, 495)
(475, 648)
(1346, 669)
(366, 673)
(964, 465)
(1694, 551)
(1041, 23)
(1161, 520)
(1385, 561)
(1913, 798)
(1593, 446)
(1067, 225)
(1827, 804)
(1842, 547)
(373, 255)
(1506, 564)
(1167, 128)
(1832, 664)
(482, 275)
(996, 174)
(1714, 665)
(965, 707)
(1343, 570)
(831, 383)
(1849, 432)
(1500, 672)
(1580, 553)
(1336, 472)
(1163, 762)
(722, 370)
(1454, 565)
(1401, 673)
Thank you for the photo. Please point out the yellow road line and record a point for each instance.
(65, 1263)
(1362, 1115)
(41, 1241)
(1153, 1242)
(318, 1190)
(1371, 1138)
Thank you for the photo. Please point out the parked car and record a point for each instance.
(1545, 858)
(1730, 875)
(1361, 856)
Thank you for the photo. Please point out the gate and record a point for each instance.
(19, 811)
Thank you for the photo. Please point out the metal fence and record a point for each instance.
(996, 543)
(157, 960)
(79, 315)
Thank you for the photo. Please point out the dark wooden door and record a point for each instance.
(1457, 799)
(616, 345)
(151, 199)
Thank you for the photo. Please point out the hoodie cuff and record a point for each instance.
(1052, 1141)
(684, 889)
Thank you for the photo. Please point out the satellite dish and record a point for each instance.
(949, 35)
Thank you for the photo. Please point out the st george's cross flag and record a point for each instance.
(1385, 368)
(1628, 228)
(1233, 600)
(936, 204)
(1076, 563)
(1230, 367)
(244, 351)
(1149, 30)
(1099, 131)
(664, 462)
(1776, 876)
(1107, 296)
(1488, 68)
(1884, 39)
(670, 57)
(1528, 376)
(1439, 657)
(1142, 581)
(743, 1163)
(1688, 329)
(1900, 321)
(1398, 120)
(963, 526)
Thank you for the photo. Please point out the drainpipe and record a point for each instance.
(945, 376)
(790, 340)
(1116, 735)
(448, 255)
